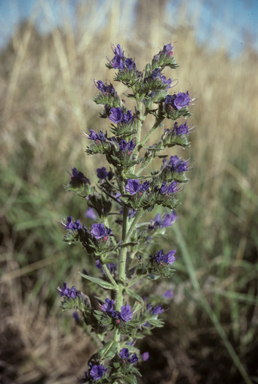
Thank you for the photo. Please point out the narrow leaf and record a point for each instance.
(101, 283)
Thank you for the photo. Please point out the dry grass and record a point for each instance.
(46, 92)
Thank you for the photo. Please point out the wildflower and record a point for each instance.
(116, 115)
(181, 129)
(111, 266)
(124, 146)
(97, 371)
(105, 88)
(90, 214)
(130, 64)
(169, 219)
(145, 356)
(73, 225)
(108, 306)
(126, 313)
(69, 293)
(167, 50)
(170, 257)
(133, 186)
(128, 117)
(171, 188)
(94, 136)
(133, 359)
(175, 164)
(124, 353)
(157, 310)
(78, 177)
(99, 231)
(178, 101)
(145, 186)
(165, 221)
(168, 294)
(117, 61)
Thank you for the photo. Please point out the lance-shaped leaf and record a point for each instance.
(101, 283)
(108, 351)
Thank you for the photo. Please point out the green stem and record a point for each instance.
(107, 271)
(157, 123)
(136, 218)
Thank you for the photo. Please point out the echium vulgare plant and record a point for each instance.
(117, 240)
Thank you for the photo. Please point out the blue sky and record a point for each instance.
(227, 22)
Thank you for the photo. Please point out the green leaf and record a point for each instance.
(130, 176)
(109, 350)
(134, 295)
(101, 283)
(131, 379)
(128, 245)
(116, 365)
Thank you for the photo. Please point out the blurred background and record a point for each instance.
(50, 51)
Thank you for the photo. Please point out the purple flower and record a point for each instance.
(169, 219)
(102, 173)
(90, 214)
(145, 186)
(145, 356)
(178, 101)
(69, 293)
(116, 115)
(160, 257)
(79, 177)
(124, 146)
(105, 88)
(170, 257)
(156, 74)
(73, 225)
(111, 267)
(167, 50)
(165, 221)
(157, 310)
(76, 317)
(132, 186)
(181, 129)
(168, 294)
(94, 136)
(124, 353)
(175, 164)
(99, 231)
(128, 117)
(126, 313)
(108, 306)
(163, 189)
(130, 64)
(100, 85)
(117, 61)
(172, 188)
(133, 359)
(97, 371)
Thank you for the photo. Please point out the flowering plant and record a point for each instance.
(122, 316)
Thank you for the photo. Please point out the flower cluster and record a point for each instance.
(127, 357)
(125, 314)
(74, 225)
(69, 293)
(168, 258)
(178, 101)
(175, 164)
(99, 230)
(120, 61)
(106, 89)
(133, 186)
(118, 241)
(118, 116)
(163, 221)
(95, 372)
